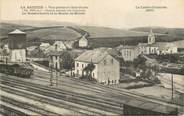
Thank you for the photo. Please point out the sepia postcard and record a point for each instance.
(92, 57)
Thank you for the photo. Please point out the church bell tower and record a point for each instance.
(151, 37)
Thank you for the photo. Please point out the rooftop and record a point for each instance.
(55, 53)
(126, 47)
(163, 45)
(96, 55)
(17, 31)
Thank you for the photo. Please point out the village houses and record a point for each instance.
(106, 66)
(129, 53)
(153, 47)
(46, 47)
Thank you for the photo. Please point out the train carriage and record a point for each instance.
(143, 108)
(20, 70)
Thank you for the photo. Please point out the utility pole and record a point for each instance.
(51, 75)
(6, 64)
(172, 87)
(57, 77)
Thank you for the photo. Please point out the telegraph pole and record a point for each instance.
(51, 75)
(56, 77)
(172, 87)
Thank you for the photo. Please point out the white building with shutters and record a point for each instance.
(106, 66)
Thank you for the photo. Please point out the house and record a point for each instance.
(145, 48)
(31, 48)
(57, 46)
(4, 53)
(44, 46)
(142, 48)
(83, 42)
(129, 53)
(60, 45)
(100, 64)
(166, 48)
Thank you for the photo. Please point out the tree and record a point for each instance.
(67, 60)
(139, 62)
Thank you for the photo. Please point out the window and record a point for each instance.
(93, 74)
(104, 62)
(114, 81)
(130, 53)
(82, 65)
(77, 72)
(112, 61)
(77, 64)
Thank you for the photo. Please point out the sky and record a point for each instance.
(107, 13)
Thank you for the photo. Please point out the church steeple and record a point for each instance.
(151, 37)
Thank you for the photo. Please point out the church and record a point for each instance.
(153, 47)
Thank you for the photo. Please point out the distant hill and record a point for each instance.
(55, 33)
(162, 30)
(40, 33)
(97, 36)
(102, 32)
(5, 28)
(41, 23)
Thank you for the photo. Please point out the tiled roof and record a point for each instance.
(96, 55)
(163, 45)
(126, 47)
(83, 38)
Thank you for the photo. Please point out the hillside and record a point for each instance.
(97, 36)
(55, 33)
(174, 32)
(39, 23)
(5, 28)
(105, 32)
(163, 30)
(40, 33)
(110, 37)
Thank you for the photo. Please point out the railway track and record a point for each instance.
(90, 104)
(26, 106)
(111, 102)
(9, 109)
(103, 88)
(50, 104)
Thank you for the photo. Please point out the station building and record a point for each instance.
(102, 64)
